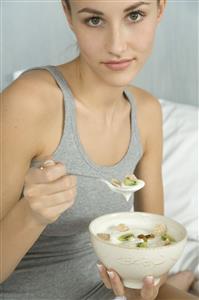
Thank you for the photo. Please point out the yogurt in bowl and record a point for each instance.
(136, 244)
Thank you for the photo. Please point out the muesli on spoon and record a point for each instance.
(128, 181)
(126, 187)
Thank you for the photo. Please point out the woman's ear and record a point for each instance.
(161, 8)
(67, 14)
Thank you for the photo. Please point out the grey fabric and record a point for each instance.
(62, 264)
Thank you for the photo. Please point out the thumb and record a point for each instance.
(148, 291)
(44, 162)
(48, 162)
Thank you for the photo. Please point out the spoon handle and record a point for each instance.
(86, 176)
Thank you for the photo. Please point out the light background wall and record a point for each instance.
(36, 33)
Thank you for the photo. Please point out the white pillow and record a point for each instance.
(16, 74)
(180, 175)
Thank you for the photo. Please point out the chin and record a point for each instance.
(119, 79)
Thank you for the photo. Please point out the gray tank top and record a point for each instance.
(61, 264)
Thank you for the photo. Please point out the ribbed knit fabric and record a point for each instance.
(62, 264)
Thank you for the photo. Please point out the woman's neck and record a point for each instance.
(91, 90)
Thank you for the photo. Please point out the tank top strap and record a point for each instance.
(61, 82)
(69, 107)
(71, 142)
(134, 124)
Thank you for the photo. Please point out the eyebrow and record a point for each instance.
(94, 11)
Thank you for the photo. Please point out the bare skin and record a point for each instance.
(47, 193)
(181, 280)
(164, 290)
(33, 111)
(54, 126)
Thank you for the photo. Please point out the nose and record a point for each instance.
(116, 43)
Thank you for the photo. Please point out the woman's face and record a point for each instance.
(113, 31)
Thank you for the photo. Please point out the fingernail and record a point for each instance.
(100, 267)
(150, 279)
(49, 162)
(110, 274)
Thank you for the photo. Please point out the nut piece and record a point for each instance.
(146, 237)
(122, 227)
(159, 229)
(142, 236)
(150, 236)
(116, 182)
(104, 236)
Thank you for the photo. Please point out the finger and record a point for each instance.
(58, 209)
(47, 162)
(65, 183)
(48, 174)
(60, 185)
(149, 291)
(52, 213)
(52, 171)
(104, 276)
(116, 283)
(59, 198)
(52, 200)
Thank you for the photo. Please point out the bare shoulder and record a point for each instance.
(148, 107)
(34, 84)
(149, 115)
(29, 104)
(145, 101)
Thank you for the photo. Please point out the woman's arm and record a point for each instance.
(150, 198)
(22, 120)
(28, 118)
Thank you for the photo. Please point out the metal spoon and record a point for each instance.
(126, 191)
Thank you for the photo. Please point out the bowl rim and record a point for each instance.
(139, 249)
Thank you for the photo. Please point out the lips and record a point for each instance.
(118, 61)
(118, 65)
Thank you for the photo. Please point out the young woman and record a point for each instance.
(81, 118)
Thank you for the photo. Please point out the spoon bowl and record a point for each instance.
(126, 191)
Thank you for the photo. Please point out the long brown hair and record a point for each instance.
(68, 4)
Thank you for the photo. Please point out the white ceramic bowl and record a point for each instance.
(134, 264)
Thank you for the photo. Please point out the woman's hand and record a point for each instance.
(49, 191)
(112, 281)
